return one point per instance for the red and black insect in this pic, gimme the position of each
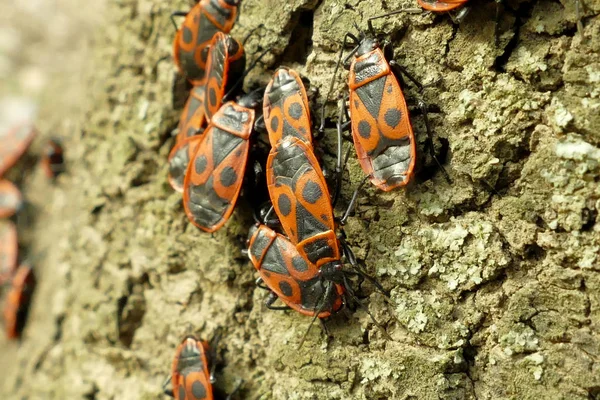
(296, 184)
(383, 136)
(225, 70)
(193, 39)
(10, 199)
(226, 62)
(191, 378)
(290, 277)
(193, 117)
(14, 144)
(9, 250)
(215, 172)
(179, 159)
(53, 162)
(16, 306)
(301, 200)
(461, 9)
(445, 6)
(192, 371)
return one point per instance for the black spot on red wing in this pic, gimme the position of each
(181, 393)
(371, 95)
(392, 117)
(187, 35)
(228, 176)
(295, 110)
(318, 250)
(324, 217)
(364, 129)
(212, 96)
(274, 124)
(312, 192)
(198, 390)
(299, 264)
(200, 164)
(223, 144)
(267, 274)
(356, 104)
(285, 205)
(390, 89)
(285, 288)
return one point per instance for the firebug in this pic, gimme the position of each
(8, 250)
(10, 199)
(16, 306)
(215, 172)
(192, 41)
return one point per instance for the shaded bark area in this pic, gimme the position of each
(495, 278)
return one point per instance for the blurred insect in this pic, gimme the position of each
(446, 6)
(10, 199)
(53, 162)
(191, 377)
(193, 117)
(379, 120)
(225, 68)
(193, 39)
(13, 144)
(192, 371)
(461, 10)
(18, 300)
(9, 249)
(215, 173)
(179, 159)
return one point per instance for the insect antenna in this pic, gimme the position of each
(356, 42)
(321, 300)
(356, 300)
(252, 31)
(404, 10)
(354, 263)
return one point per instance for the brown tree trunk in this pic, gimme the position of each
(494, 279)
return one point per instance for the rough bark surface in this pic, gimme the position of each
(495, 278)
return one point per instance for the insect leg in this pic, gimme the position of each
(254, 30)
(272, 298)
(261, 284)
(400, 70)
(405, 10)
(459, 17)
(237, 388)
(177, 14)
(424, 110)
(326, 294)
(497, 22)
(352, 205)
(339, 167)
(353, 262)
(360, 305)
(168, 392)
(579, 6)
(333, 79)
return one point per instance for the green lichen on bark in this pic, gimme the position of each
(494, 279)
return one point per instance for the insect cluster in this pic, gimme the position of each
(297, 246)
(17, 274)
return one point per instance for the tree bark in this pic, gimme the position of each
(494, 278)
